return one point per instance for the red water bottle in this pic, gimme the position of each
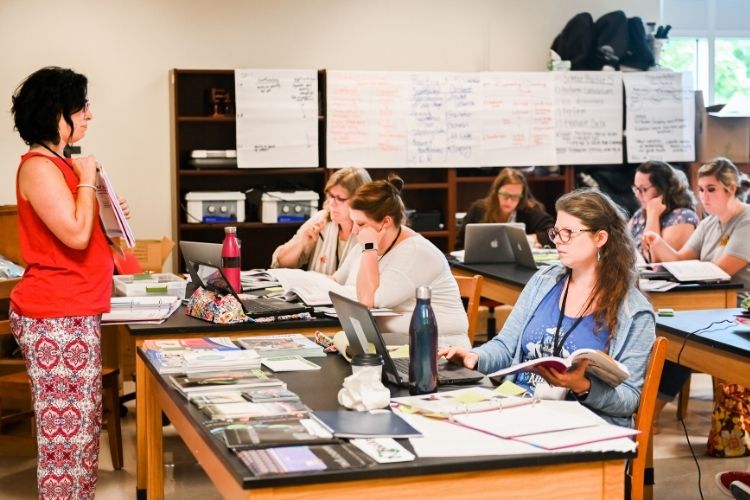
(230, 258)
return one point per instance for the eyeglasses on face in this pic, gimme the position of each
(564, 233)
(86, 107)
(508, 196)
(332, 197)
(640, 190)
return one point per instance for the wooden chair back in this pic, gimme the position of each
(471, 289)
(644, 419)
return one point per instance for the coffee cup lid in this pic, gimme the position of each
(368, 359)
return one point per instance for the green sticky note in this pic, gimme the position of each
(508, 388)
(470, 397)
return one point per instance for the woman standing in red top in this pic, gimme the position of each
(56, 308)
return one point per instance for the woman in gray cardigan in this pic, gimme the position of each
(591, 301)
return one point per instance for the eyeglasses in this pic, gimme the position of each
(640, 190)
(509, 196)
(331, 197)
(86, 107)
(565, 234)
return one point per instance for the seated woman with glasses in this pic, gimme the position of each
(322, 243)
(667, 205)
(721, 238)
(510, 200)
(392, 260)
(590, 301)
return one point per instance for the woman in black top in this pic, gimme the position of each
(510, 200)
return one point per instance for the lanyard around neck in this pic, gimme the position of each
(557, 346)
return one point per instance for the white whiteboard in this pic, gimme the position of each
(660, 116)
(277, 118)
(588, 112)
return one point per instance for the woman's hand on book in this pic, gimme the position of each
(573, 379)
(459, 355)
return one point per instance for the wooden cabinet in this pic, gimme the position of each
(441, 190)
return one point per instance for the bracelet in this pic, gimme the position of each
(86, 186)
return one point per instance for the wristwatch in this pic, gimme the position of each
(369, 246)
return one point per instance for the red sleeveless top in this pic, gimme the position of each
(60, 281)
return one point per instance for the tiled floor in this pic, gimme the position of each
(676, 472)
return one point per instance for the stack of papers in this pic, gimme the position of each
(141, 309)
(257, 279)
(168, 355)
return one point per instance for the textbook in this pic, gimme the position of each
(470, 400)
(293, 344)
(601, 365)
(273, 433)
(310, 287)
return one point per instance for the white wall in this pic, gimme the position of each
(127, 47)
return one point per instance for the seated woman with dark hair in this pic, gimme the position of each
(667, 205)
(510, 200)
(392, 260)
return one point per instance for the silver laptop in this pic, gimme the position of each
(199, 251)
(487, 243)
(362, 331)
(520, 246)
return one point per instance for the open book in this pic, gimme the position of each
(114, 221)
(310, 287)
(696, 270)
(601, 365)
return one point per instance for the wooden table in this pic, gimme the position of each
(557, 475)
(181, 326)
(503, 283)
(723, 350)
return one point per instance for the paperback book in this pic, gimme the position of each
(271, 461)
(248, 410)
(276, 433)
(214, 398)
(294, 344)
(210, 382)
(365, 424)
(168, 355)
(270, 395)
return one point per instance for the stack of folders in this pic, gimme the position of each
(293, 344)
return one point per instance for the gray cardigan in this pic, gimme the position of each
(630, 345)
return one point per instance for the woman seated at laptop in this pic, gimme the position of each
(392, 260)
(667, 205)
(510, 200)
(590, 301)
(324, 240)
(721, 238)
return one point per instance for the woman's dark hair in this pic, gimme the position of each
(507, 175)
(380, 199)
(670, 183)
(44, 97)
(615, 271)
(727, 174)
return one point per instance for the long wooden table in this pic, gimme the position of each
(722, 350)
(503, 283)
(181, 326)
(557, 475)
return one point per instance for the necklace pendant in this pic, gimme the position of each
(724, 240)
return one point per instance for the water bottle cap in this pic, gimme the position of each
(230, 229)
(424, 292)
(368, 359)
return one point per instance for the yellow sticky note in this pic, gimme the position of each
(508, 388)
(401, 351)
(469, 397)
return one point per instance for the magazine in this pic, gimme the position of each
(271, 461)
(601, 365)
(210, 382)
(168, 355)
(270, 395)
(250, 410)
(277, 432)
(293, 344)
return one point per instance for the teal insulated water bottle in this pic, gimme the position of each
(423, 345)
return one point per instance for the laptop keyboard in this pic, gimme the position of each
(270, 307)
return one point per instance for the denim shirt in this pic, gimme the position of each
(630, 345)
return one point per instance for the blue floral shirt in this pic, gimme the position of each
(676, 216)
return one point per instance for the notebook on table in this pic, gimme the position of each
(362, 331)
(488, 243)
(212, 278)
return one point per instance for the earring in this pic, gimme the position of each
(598, 256)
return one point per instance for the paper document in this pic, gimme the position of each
(310, 287)
(110, 213)
(696, 270)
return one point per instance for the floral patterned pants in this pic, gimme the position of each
(63, 359)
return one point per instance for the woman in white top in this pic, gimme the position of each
(391, 261)
(324, 240)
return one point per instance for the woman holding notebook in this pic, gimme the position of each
(721, 238)
(510, 200)
(392, 260)
(322, 243)
(590, 301)
(56, 309)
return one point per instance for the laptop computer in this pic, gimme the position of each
(519, 243)
(361, 331)
(487, 243)
(199, 251)
(212, 278)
